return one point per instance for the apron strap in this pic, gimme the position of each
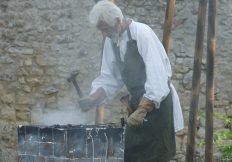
(129, 33)
(128, 22)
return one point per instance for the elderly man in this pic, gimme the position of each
(133, 56)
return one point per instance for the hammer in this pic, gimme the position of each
(99, 110)
(72, 79)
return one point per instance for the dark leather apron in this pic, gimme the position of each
(155, 140)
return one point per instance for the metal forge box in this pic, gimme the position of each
(70, 143)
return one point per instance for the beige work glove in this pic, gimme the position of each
(138, 116)
(88, 102)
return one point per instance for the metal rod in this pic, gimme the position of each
(107, 144)
(211, 50)
(196, 80)
(168, 24)
(92, 146)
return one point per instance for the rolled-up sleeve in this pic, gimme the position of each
(109, 78)
(152, 52)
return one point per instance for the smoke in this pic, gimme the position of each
(61, 111)
(62, 117)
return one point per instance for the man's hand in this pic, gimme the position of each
(136, 118)
(87, 103)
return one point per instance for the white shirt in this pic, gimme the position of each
(157, 65)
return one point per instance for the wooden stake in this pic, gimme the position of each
(211, 50)
(196, 80)
(100, 113)
(168, 24)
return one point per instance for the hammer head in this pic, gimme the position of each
(73, 76)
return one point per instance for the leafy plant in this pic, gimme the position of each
(223, 138)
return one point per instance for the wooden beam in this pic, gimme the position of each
(196, 81)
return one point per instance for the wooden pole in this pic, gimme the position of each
(168, 24)
(211, 50)
(196, 80)
(100, 113)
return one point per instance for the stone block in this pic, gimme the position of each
(50, 71)
(8, 98)
(24, 99)
(8, 155)
(3, 23)
(8, 113)
(50, 90)
(40, 60)
(36, 71)
(23, 116)
(7, 77)
(35, 80)
(22, 72)
(2, 88)
(26, 89)
(22, 80)
(6, 59)
(20, 50)
(28, 62)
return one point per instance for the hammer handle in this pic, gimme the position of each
(79, 92)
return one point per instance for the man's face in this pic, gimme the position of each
(109, 31)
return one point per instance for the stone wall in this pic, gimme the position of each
(43, 41)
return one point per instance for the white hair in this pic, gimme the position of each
(106, 11)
